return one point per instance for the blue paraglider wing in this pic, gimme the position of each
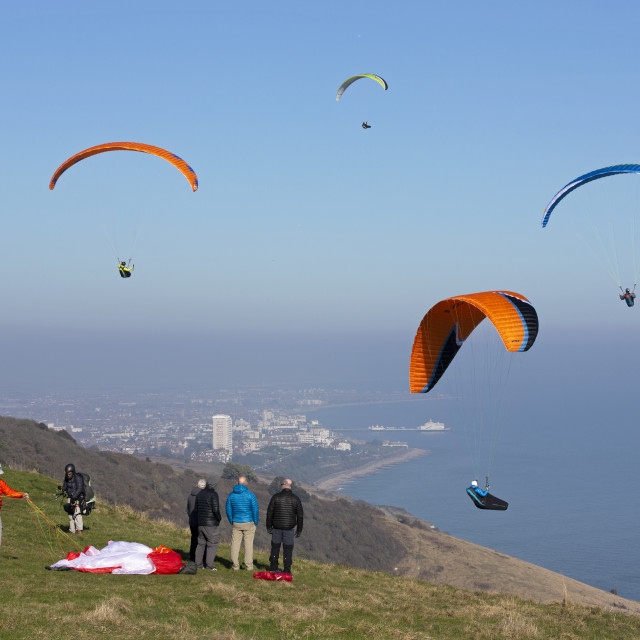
(587, 177)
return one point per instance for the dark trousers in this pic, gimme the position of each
(208, 540)
(194, 543)
(286, 537)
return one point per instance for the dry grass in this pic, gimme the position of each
(111, 610)
(515, 625)
(447, 560)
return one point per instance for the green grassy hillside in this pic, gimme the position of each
(324, 601)
(334, 531)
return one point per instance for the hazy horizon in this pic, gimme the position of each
(569, 365)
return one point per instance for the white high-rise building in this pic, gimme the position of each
(222, 433)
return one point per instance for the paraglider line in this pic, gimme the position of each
(45, 537)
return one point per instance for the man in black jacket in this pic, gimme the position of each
(208, 510)
(193, 517)
(73, 488)
(284, 517)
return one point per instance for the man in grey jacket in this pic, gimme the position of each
(284, 517)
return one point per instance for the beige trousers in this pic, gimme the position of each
(75, 521)
(242, 531)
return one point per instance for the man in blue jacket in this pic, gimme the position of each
(476, 489)
(242, 513)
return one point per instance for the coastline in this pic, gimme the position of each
(335, 481)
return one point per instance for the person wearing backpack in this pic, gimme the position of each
(73, 488)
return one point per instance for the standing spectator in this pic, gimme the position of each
(208, 510)
(12, 493)
(242, 513)
(73, 488)
(193, 517)
(284, 520)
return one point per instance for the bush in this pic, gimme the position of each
(233, 470)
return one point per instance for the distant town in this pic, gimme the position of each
(193, 425)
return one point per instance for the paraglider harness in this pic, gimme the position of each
(125, 271)
(366, 126)
(86, 501)
(629, 298)
(484, 500)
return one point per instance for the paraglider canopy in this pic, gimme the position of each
(175, 160)
(450, 322)
(608, 223)
(480, 386)
(581, 180)
(122, 558)
(349, 81)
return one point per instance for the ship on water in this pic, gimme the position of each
(432, 426)
(427, 426)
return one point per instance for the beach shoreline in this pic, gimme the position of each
(335, 481)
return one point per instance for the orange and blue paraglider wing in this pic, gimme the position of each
(450, 322)
(175, 160)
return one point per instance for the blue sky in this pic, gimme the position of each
(309, 240)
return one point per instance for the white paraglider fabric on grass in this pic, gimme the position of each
(116, 557)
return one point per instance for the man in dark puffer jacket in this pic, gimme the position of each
(208, 510)
(73, 488)
(193, 517)
(284, 516)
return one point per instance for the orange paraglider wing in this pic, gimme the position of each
(450, 322)
(175, 160)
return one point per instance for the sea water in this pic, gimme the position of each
(567, 469)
